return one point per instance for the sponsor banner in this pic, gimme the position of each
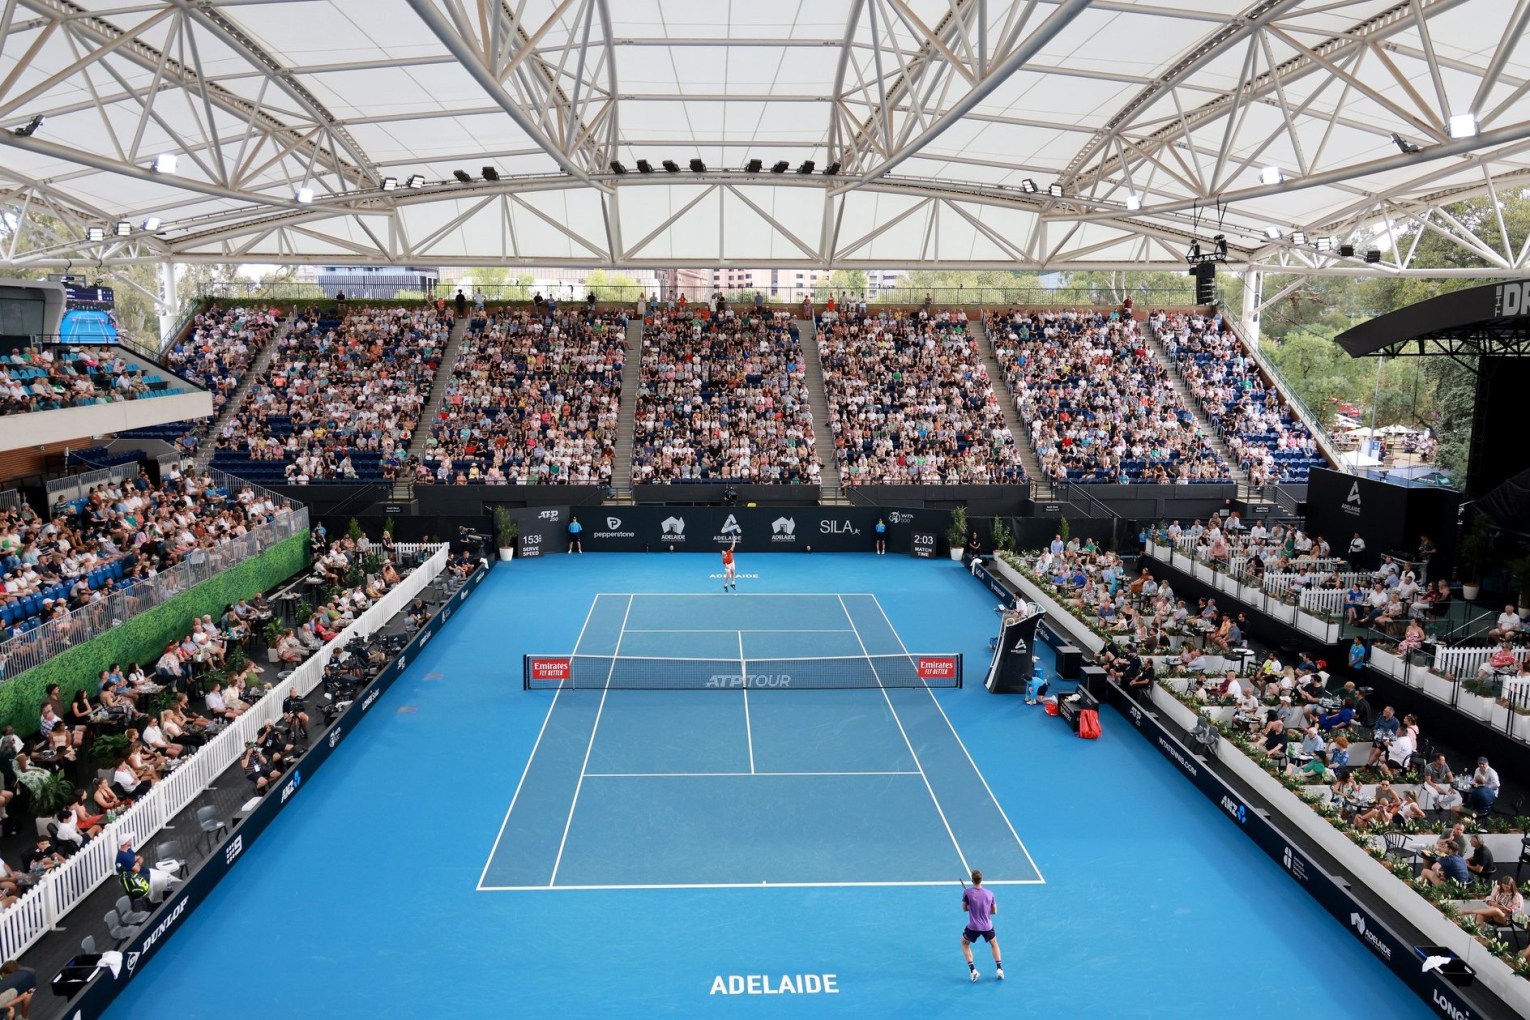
(752, 529)
(992, 582)
(936, 667)
(1389, 947)
(167, 919)
(551, 669)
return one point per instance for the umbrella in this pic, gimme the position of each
(1395, 430)
(1363, 431)
(1356, 458)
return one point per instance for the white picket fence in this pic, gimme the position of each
(1462, 662)
(1279, 584)
(60, 890)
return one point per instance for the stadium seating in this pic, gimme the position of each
(1271, 443)
(339, 401)
(1099, 406)
(53, 377)
(723, 399)
(911, 403)
(533, 399)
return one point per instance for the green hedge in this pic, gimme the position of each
(142, 638)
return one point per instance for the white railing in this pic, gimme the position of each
(1280, 584)
(80, 625)
(75, 486)
(61, 890)
(1328, 601)
(1462, 662)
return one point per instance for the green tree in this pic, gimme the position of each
(615, 288)
(981, 287)
(849, 281)
(1112, 287)
(1318, 370)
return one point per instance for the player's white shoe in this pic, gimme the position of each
(999, 974)
(974, 974)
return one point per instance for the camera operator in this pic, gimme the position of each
(292, 712)
(419, 612)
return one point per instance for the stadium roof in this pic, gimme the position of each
(296, 126)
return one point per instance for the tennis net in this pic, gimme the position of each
(624, 672)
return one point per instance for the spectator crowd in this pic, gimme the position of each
(49, 378)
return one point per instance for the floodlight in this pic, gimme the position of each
(490, 174)
(832, 169)
(1194, 254)
(30, 128)
(389, 184)
(698, 167)
(1134, 201)
(95, 233)
(1404, 146)
(1347, 250)
(1271, 175)
(1373, 256)
(1055, 189)
(304, 196)
(618, 167)
(151, 224)
(1028, 186)
(644, 167)
(1298, 237)
(806, 167)
(164, 163)
(1323, 244)
(462, 175)
(1463, 125)
(415, 181)
(754, 166)
(124, 228)
(781, 167)
(1273, 233)
(671, 167)
(1221, 243)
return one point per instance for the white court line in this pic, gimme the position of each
(558, 861)
(909, 744)
(532, 757)
(743, 674)
(745, 595)
(704, 775)
(1039, 878)
(735, 630)
(749, 885)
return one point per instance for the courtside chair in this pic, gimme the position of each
(211, 824)
(128, 914)
(169, 852)
(88, 945)
(120, 932)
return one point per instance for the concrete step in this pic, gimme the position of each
(438, 387)
(626, 418)
(1007, 405)
(818, 398)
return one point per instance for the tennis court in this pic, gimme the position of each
(364, 898)
(630, 789)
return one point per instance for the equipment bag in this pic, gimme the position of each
(1089, 724)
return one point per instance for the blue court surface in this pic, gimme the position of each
(477, 849)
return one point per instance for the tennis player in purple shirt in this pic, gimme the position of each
(980, 907)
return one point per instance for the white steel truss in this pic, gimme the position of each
(1017, 134)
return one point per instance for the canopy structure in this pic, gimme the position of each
(1493, 319)
(1030, 134)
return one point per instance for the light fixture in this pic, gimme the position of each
(95, 233)
(151, 224)
(1134, 201)
(698, 167)
(30, 128)
(754, 166)
(1372, 257)
(780, 167)
(1463, 125)
(1194, 254)
(389, 184)
(490, 174)
(1055, 189)
(671, 167)
(1298, 237)
(806, 167)
(832, 169)
(1404, 146)
(1028, 186)
(415, 181)
(124, 228)
(164, 163)
(1271, 175)
(1347, 251)
(644, 167)
(463, 176)
(303, 196)
(1323, 244)
(1273, 233)
(618, 167)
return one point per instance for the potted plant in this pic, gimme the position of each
(1476, 556)
(505, 533)
(1003, 537)
(108, 749)
(272, 633)
(956, 534)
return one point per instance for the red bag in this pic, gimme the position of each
(1050, 705)
(1089, 724)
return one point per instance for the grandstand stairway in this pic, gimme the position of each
(403, 487)
(818, 396)
(257, 369)
(1161, 353)
(626, 419)
(1007, 405)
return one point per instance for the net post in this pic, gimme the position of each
(958, 670)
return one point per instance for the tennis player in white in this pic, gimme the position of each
(729, 575)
